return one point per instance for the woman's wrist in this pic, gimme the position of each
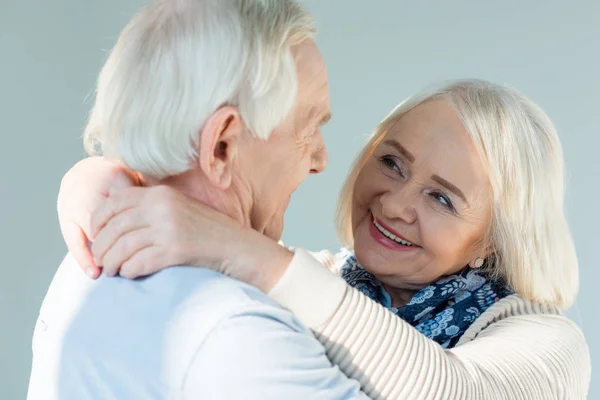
(257, 260)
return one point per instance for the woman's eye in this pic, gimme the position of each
(392, 164)
(443, 200)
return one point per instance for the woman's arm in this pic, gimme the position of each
(139, 231)
(100, 201)
(530, 356)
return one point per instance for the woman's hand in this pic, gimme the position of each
(139, 231)
(83, 188)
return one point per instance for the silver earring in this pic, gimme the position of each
(478, 263)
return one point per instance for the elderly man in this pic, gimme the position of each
(222, 100)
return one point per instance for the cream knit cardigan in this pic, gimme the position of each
(514, 350)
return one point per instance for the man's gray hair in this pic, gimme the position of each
(178, 61)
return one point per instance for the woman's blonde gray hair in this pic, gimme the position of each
(532, 246)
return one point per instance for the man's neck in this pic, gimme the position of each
(195, 185)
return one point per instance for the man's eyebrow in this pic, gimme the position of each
(326, 118)
(314, 112)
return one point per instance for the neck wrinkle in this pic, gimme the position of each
(195, 185)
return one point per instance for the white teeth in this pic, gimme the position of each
(390, 235)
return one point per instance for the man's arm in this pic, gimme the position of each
(265, 355)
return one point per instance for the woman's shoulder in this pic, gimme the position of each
(520, 334)
(519, 311)
(325, 257)
(328, 259)
(530, 326)
(510, 306)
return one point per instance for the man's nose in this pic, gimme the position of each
(319, 157)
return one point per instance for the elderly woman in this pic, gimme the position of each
(458, 256)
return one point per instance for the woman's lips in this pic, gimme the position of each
(386, 241)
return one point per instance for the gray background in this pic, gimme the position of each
(378, 53)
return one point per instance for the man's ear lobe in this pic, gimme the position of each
(219, 145)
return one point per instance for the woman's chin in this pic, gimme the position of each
(368, 256)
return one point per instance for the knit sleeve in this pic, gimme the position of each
(534, 356)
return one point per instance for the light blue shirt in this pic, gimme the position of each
(183, 333)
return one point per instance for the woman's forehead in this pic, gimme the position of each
(432, 137)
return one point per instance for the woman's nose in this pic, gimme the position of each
(399, 203)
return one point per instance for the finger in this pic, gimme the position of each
(145, 262)
(125, 248)
(115, 204)
(77, 243)
(121, 224)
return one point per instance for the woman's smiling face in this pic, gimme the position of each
(422, 201)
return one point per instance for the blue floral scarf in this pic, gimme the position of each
(442, 311)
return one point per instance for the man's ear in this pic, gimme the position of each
(219, 145)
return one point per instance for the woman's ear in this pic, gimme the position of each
(482, 252)
(219, 142)
(488, 251)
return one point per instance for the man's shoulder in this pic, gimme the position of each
(178, 304)
(178, 289)
(190, 299)
(148, 329)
